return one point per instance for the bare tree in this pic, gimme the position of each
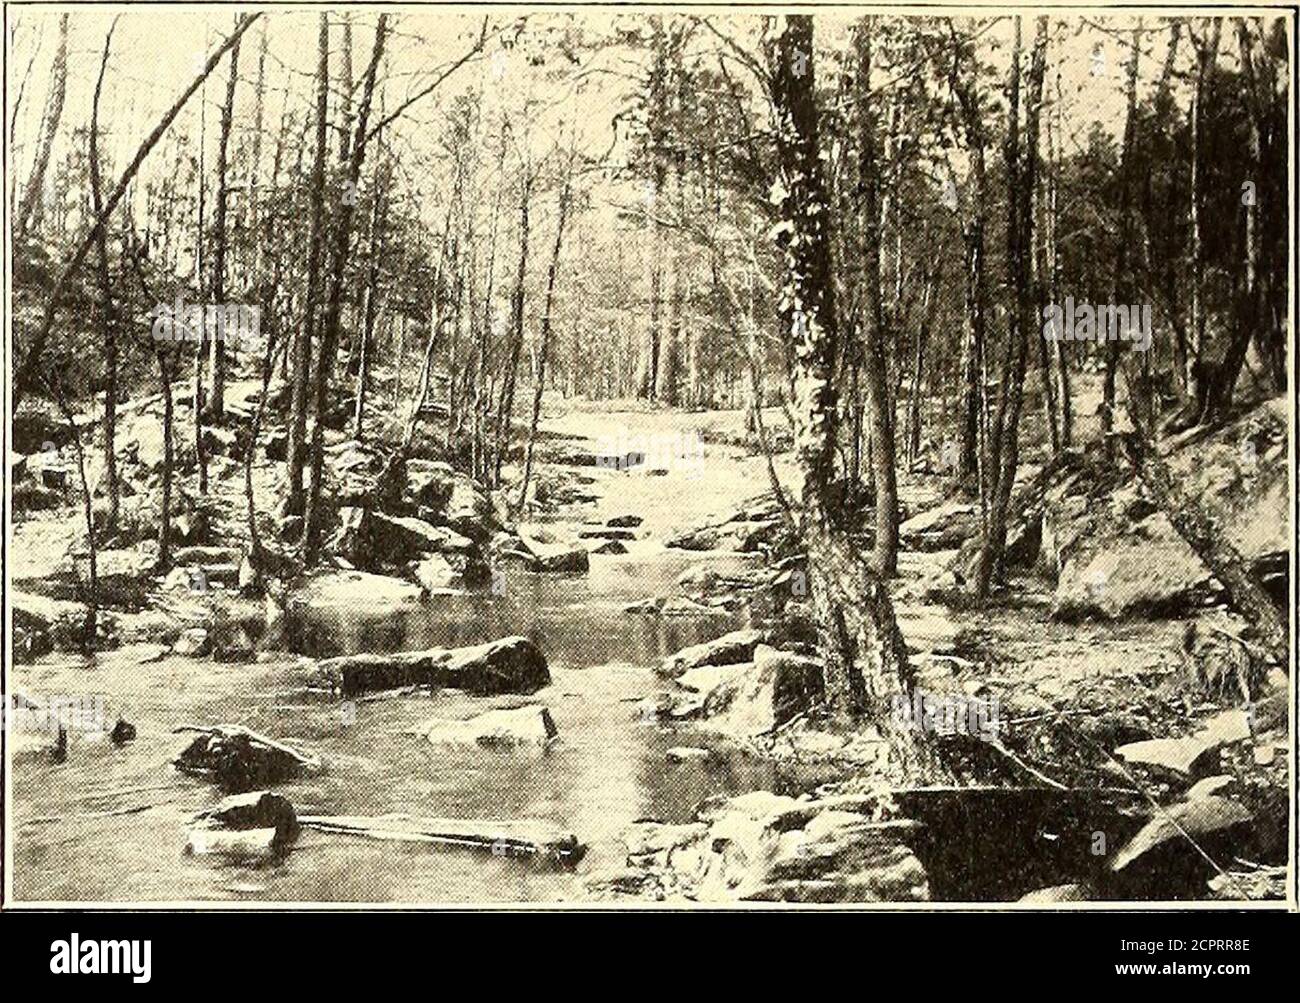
(27, 210)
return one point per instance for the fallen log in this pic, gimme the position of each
(519, 837)
(509, 665)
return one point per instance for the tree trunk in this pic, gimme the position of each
(929, 303)
(1123, 278)
(875, 369)
(1246, 305)
(539, 369)
(198, 409)
(505, 408)
(28, 209)
(970, 456)
(329, 343)
(169, 463)
(866, 661)
(217, 399)
(294, 501)
(1022, 178)
(109, 319)
(378, 222)
(1206, 56)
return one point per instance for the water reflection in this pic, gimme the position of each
(607, 769)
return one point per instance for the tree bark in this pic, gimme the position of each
(505, 408)
(294, 502)
(1022, 178)
(539, 370)
(217, 398)
(865, 658)
(875, 345)
(329, 343)
(28, 209)
(1123, 278)
(109, 319)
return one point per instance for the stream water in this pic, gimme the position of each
(608, 767)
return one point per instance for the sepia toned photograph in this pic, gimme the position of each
(647, 457)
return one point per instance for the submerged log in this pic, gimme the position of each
(518, 837)
(509, 665)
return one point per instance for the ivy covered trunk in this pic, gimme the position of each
(866, 664)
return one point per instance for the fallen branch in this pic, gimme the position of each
(524, 837)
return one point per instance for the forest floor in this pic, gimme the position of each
(1087, 698)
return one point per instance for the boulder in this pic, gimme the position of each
(468, 510)
(509, 665)
(1198, 819)
(240, 760)
(429, 484)
(276, 445)
(1058, 893)
(32, 637)
(193, 642)
(254, 810)
(372, 540)
(606, 534)
(1113, 555)
(1186, 757)
(610, 548)
(624, 521)
(944, 527)
(227, 442)
(743, 536)
(763, 696)
(513, 728)
(737, 646)
(767, 847)
(561, 559)
(541, 553)
(29, 496)
(436, 574)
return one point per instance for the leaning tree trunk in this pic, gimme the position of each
(1211, 545)
(26, 370)
(1246, 301)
